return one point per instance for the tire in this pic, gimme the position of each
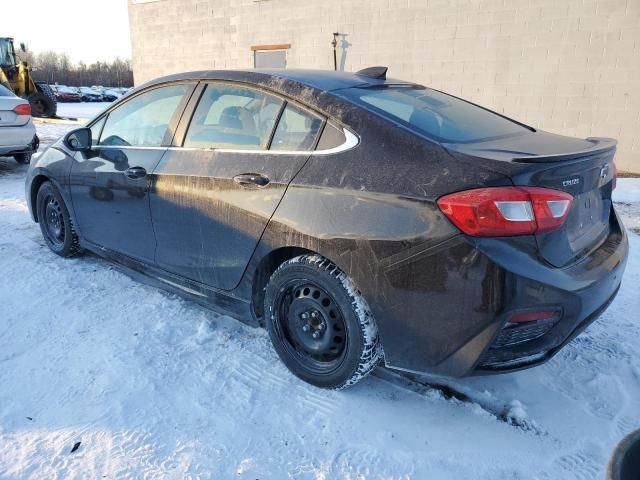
(23, 158)
(55, 222)
(35, 144)
(43, 102)
(46, 89)
(319, 324)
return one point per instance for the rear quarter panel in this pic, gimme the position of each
(372, 211)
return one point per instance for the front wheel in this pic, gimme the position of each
(55, 222)
(42, 105)
(319, 324)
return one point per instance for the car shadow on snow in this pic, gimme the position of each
(9, 165)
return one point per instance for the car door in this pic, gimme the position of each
(110, 183)
(213, 195)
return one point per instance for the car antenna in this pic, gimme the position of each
(374, 72)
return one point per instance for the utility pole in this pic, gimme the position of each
(335, 54)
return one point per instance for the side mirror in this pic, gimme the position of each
(78, 140)
(23, 47)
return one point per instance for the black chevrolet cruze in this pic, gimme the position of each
(359, 219)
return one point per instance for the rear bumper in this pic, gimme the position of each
(16, 139)
(485, 280)
(534, 352)
(583, 291)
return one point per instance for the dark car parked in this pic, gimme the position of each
(359, 219)
(64, 94)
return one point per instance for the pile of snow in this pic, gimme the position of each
(627, 190)
(83, 110)
(153, 386)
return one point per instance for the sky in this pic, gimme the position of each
(87, 30)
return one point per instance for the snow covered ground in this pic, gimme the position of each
(153, 386)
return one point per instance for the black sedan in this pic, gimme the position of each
(359, 219)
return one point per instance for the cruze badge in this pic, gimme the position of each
(568, 183)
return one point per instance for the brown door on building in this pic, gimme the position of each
(270, 56)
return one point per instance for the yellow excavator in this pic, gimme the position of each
(16, 76)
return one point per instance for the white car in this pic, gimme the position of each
(18, 137)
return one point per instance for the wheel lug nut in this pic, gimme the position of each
(314, 314)
(322, 326)
(305, 328)
(305, 315)
(316, 334)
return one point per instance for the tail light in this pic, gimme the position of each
(22, 109)
(506, 211)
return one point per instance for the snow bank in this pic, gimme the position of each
(82, 110)
(627, 191)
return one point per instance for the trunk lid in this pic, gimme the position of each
(8, 117)
(583, 168)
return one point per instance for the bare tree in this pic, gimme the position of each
(53, 67)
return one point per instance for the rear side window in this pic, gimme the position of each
(332, 137)
(5, 92)
(229, 116)
(297, 130)
(434, 114)
(143, 120)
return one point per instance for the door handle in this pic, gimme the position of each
(251, 180)
(135, 172)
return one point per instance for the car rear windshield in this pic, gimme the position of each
(434, 114)
(5, 92)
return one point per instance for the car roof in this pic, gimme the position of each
(326, 80)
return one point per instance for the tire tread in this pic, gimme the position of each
(372, 352)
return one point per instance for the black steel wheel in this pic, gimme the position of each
(55, 222)
(319, 323)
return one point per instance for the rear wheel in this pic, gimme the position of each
(319, 324)
(23, 158)
(55, 222)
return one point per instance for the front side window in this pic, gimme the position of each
(96, 128)
(144, 120)
(230, 116)
(435, 114)
(297, 130)
(7, 55)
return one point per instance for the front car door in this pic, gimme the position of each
(213, 194)
(110, 183)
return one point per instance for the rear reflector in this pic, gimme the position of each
(533, 316)
(525, 326)
(23, 109)
(506, 211)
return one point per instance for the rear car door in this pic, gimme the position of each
(110, 183)
(215, 191)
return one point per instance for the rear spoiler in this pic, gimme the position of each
(599, 146)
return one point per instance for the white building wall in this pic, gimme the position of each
(567, 66)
